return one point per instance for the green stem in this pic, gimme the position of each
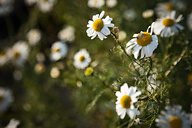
(124, 51)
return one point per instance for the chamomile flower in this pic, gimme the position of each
(33, 36)
(144, 42)
(82, 59)
(168, 26)
(67, 34)
(126, 97)
(173, 117)
(99, 26)
(5, 99)
(58, 50)
(162, 9)
(46, 5)
(95, 3)
(19, 52)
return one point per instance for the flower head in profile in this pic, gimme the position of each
(58, 50)
(168, 26)
(99, 26)
(33, 36)
(144, 42)
(19, 52)
(173, 117)
(82, 59)
(5, 99)
(126, 97)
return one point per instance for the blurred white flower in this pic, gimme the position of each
(34, 36)
(39, 68)
(147, 13)
(40, 57)
(129, 14)
(19, 52)
(189, 21)
(111, 3)
(13, 123)
(46, 5)
(6, 6)
(55, 72)
(5, 99)
(168, 26)
(173, 117)
(17, 74)
(58, 50)
(95, 3)
(99, 26)
(126, 97)
(163, 9)
(122, 35)
(144, 42)
(82, 59)
(30, 2)
(67, 34)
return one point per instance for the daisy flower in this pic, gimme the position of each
(5, 99)
(173, 117)
(125, 99)
(162, 9)
(46, 5)
(58, 50)
(82, 59)
(99, 26)
(13, 123)
(168, 26)
(19, 52)
(34, 36)
(67, 34)
(95, 3)
(144, 42)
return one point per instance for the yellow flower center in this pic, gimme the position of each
(98, 25)
(88, 71)
(16, 54)
(125, 101)
(81, 58)
(56, 50)
(168, 22)
(144, 38)
(175, 122)
(2, 53)
(169, 6)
